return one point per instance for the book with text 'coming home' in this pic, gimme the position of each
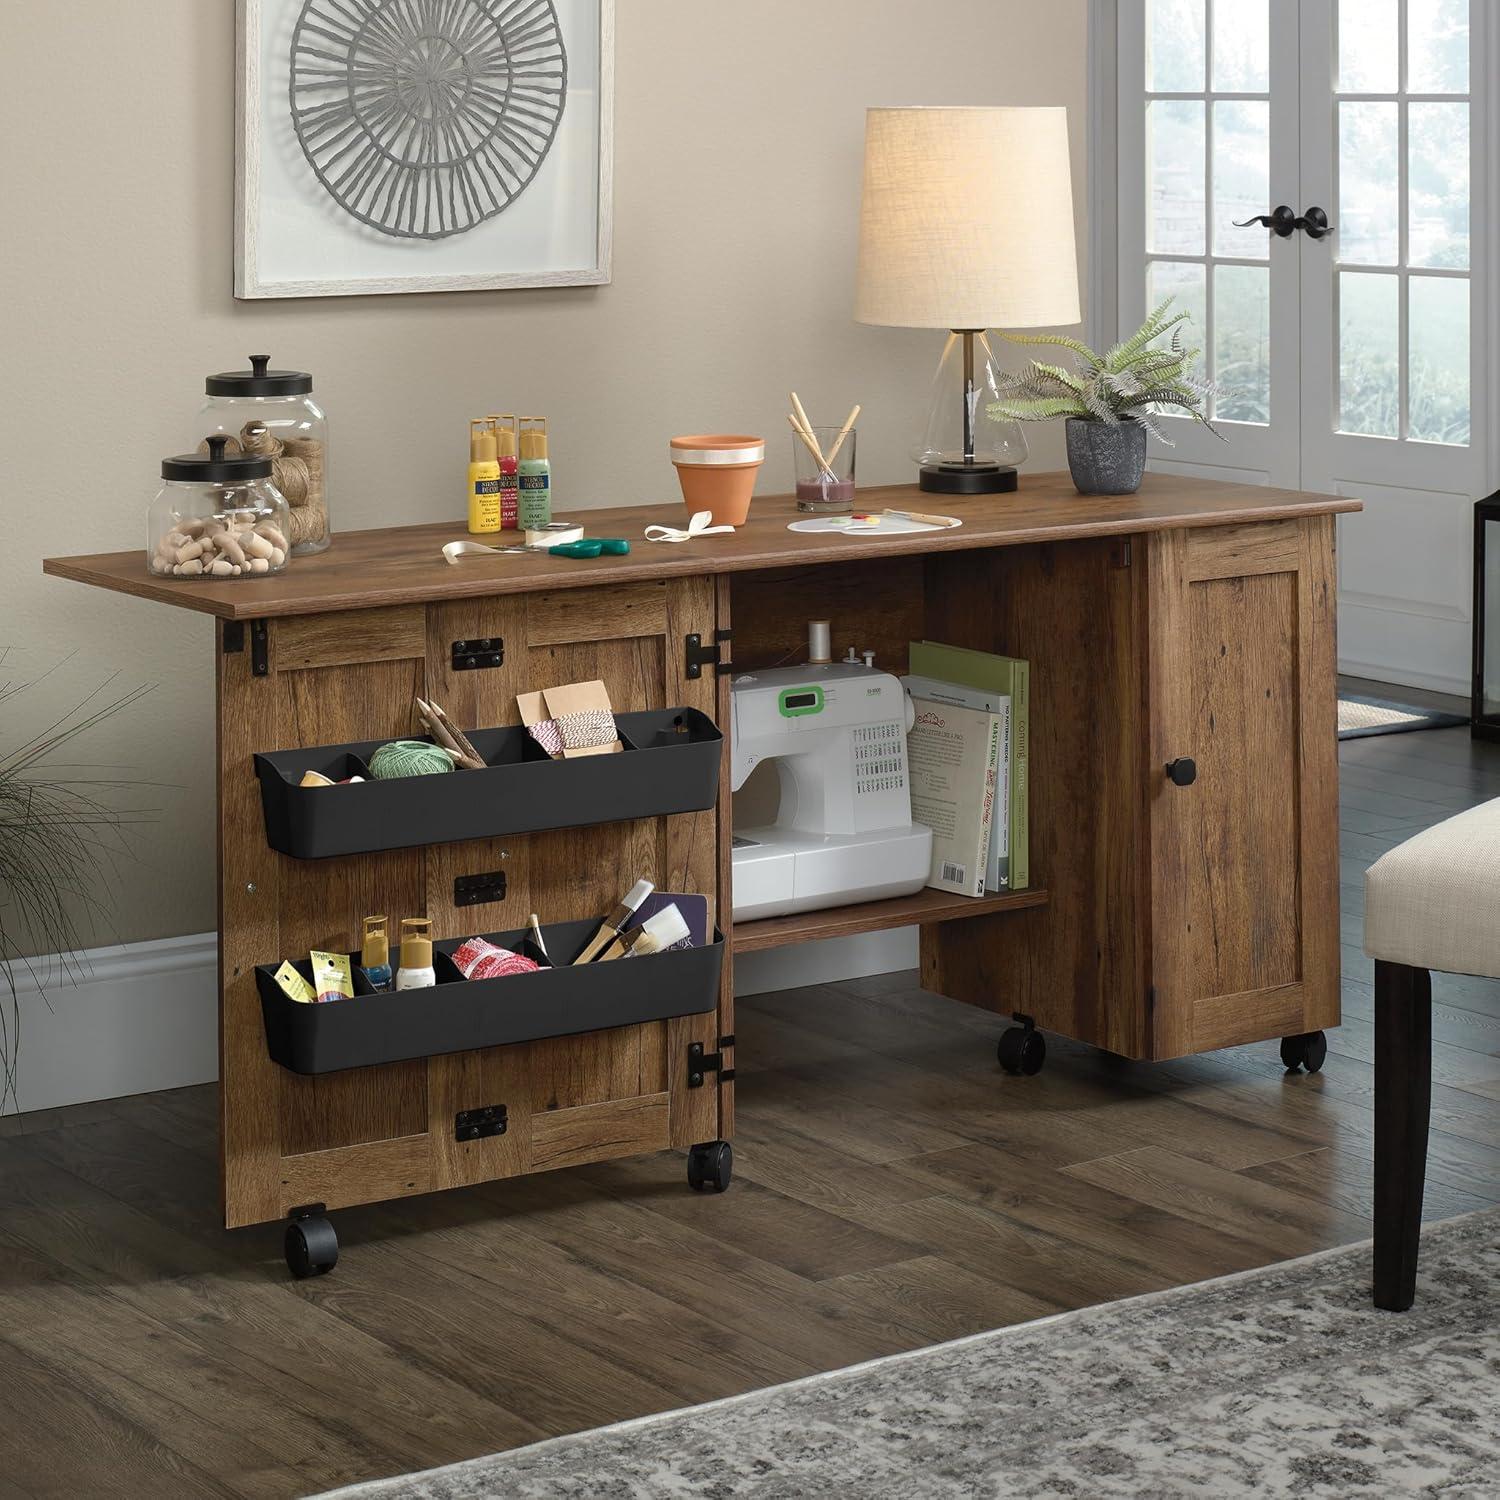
(953, 759)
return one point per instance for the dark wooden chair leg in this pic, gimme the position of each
(1403, 1101)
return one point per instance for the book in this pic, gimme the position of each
(1006, 676)
(997, 876)
(953, 757)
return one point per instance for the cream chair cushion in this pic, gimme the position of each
(1434, 901)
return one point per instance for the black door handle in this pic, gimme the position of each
(1182, 771)
(1283, 221)
(1315, 222)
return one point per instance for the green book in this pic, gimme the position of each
(1008, 677)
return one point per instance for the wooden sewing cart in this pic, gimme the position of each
(1183, 794)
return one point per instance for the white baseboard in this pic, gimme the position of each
(144, 1016)
(140, 1017)
(1398, 676)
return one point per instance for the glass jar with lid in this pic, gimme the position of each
(271, 414)
(217, 515)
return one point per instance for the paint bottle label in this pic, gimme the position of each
(510, 495)
(484, 500)
(536, 500)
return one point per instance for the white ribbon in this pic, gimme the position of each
(455, 550)
(697, 526)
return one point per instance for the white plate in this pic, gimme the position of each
(885, 526)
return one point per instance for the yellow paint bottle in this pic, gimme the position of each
(484, 477)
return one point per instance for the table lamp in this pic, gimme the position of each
(967, 224)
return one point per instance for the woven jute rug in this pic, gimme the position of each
(1283, 1381)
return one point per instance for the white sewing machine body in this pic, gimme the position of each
(844, 832)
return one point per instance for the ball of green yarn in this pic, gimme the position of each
(408, 758)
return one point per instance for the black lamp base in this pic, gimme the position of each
(969, 479)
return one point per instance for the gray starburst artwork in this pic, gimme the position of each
(424, 118)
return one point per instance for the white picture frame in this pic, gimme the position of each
(293, 237)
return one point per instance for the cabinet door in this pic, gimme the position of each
(1245, 919)
(367, 1134)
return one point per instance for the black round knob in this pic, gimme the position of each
(1182, 772)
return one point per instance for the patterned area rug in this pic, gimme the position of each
(1284, 1381)
(1360, 717)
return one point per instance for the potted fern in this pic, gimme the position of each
(1110, 400)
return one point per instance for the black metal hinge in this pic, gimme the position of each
(476, 655)
(699, 656)
(701, 1062)
(479, 890)
(476, 1124)
(234, 640)
(1119, 554)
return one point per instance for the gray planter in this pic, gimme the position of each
(1106, 458)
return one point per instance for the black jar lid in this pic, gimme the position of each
(215, 467)
(259, 381)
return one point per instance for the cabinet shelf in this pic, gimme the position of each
(876, 916)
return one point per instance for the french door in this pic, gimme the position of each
(1310, 179)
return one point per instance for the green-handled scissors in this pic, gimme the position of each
(592, 546)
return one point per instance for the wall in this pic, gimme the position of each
(738, 140)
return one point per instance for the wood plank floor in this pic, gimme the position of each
(892, 1189)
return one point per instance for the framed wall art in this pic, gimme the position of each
(422, 145)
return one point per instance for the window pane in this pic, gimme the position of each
(1242, 176)
(1174, 46)
(1369, 354)
(1185, 283)
(1438, 185)
(1369, 46)
(1242, 46)
(1242, 342)
(1437, 48)
(1174, 176)
(1438, 364)
(1369, 210)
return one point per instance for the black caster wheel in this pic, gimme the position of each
(311, 1246)
(710, 1166)
(1309, 1050)
(1023, 1050)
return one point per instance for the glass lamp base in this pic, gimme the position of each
(968, 479)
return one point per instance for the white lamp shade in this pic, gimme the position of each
(967, 219)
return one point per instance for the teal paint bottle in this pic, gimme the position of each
(535, 475)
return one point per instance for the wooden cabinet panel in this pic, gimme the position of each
(1078, 614)
(1244, 928)
(384, 1132)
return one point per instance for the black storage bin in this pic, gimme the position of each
(670, 764)
(458, 1014)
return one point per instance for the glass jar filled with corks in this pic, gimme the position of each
(266, 413)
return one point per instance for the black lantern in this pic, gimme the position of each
(1485, 724)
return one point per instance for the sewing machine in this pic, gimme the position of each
(837, 733)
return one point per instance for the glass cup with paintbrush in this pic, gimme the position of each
(824, 460)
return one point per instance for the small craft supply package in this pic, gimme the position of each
(478, 958)
(293, 985)
(585, 719)
(333, 978)
(540, 725)
(572, 720)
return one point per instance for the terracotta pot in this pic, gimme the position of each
(717, 471)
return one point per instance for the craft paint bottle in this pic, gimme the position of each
(416, 971)
(375, 955)
(484, 477)
(510, 478)
(536, 476)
